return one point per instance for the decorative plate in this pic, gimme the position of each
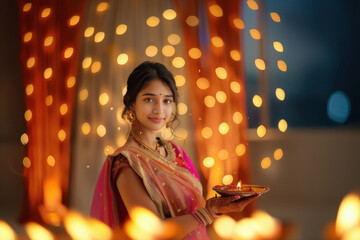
(246, 190)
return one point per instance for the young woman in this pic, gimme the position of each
(153, 173)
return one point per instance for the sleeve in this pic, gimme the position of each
(119, 162)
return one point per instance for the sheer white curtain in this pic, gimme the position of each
(98, 127)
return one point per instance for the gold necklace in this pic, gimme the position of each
(144, 145)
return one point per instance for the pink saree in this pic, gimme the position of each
(172, 183)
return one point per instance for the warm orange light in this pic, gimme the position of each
(224, 226)
(348, 216)
(70, 82)
(195, 53)
(209, 162)
(101, 7)
(206, 132)
(30, 62)
(227, 179)
(235, 87)
(223, 154)
(48, 41)
(104, 99)
(275, 17)
(99, 230)
(76, 225)
(265, 162)
(237, 117)
(239, 185)
(174, 39)
(217, 41)
(63, 109)
(260, 64)
(282, 65)
(35, 232)
(203, 83)
(28, 115)
(83, 94)
(27, 37)
(257, 101)
(121, 29)
(6, 231)
(169, 14)
(255, 34)
(168, 50)
(48, 100)
(122, 59)
(209, 101)
(89, 31)
(235, 55)
(178, 62)
(238, 23)
(280, 94)
(240, 149)
(278, 154)
(108, 150)
(95, 67)
(101, 130)
(179, 80)
(224, 128)
(24, 139)
(153, 21)
(86, 63)
(151, 51)
(29, 89)
(46, 12)
(216, 10)
(50, 161)
(182, 108)
(27, 7)
(62, 135)
(181, 133)
(221, 96)
(26, 162)
(99, 36)
(68, 52)
(192, 21)
(282, 125)
(261, 131)
(278, 46)
(85, 128)
(252, 5)
(268, 227)
(221, 72)
(48, 73)
(74, 20)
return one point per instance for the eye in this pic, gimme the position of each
(168, 101)
(148, 100)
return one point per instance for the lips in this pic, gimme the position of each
(157, 120)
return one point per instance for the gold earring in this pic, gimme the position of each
(169, 121)
(130, 116)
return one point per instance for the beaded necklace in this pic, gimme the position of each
(144, 145)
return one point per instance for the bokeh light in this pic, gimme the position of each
(178, 62)
(206, 132)
(227, 179)
(280, 94)
(265, 162)
(192, 21)
(101, 130)
(216, 10)
(182, 108)
(257, 101)
(62, 135)
(282, 125)
(275, 17)
(122, 59)
(224, 128)
(338, 107)
(217, 41)
(174, 39)
(209, 101)
(235, 87)
(255, 34)
(27, 37)
(252, 5)
(169, 14)
(203, 83)
(278, 154)
(85, 128)
(238, 23)
(237, 117)
(221, 72)
(260, 64)
(101, 7)
(179, 80)
(282, 65)
(240, 149)
(153, 21)
(223, 154)
(235, 55)
(168, 50)
(151, 51)
(209, 162)
(195, 53)
(261, 131)
(121, 29)
(278, 46)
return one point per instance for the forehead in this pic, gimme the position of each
(157, 87)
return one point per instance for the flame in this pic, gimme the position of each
(76, 225)
(349, 214)
(239, 185)
(37, 232)
(6, 231)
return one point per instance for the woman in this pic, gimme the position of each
(153, 173)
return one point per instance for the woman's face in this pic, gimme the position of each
(153, 105)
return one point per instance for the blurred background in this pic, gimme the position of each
(320, 160)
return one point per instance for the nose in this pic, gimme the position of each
(158, 107)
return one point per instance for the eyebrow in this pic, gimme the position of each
(151, 94)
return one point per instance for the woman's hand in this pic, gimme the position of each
(220, 205)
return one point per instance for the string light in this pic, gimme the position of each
(178, 62)
(206, 132)
(275, 17)
(151, 51)
(121, 29)
(227, 179)
(168, 51)
(282, 65)
(179, 80)
(238, 23)
(216, 10)
(260, 64)
(237, 117)
(153, 21)
(192, 21)
(221, 72)
(203, 83)
(209, 162)
(261, 131)
(169, 14)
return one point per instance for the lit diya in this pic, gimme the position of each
(242, 190)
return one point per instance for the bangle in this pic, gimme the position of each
(204, 215)
(197, 218)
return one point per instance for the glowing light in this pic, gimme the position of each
(278, 154)
(169, 14)
(261, 131)
(265, 162)
(240, 149)
(62, 135)
(63, 109)
(27, 37)
(216, 10)
(27, 7)
(85, 128)
(101, 7)
(168, 51)
(206, 132)
(257, 101)
(70, 82)
(24, 139)
(99, 36)
(29, 89)
(267, 226)
(179, 80)
(86, 62)
(278, 46)
(195, 53)
(238, 23)
(99, 230)
(235, 55)
(30, 62)
(221, 72)
(26, 162)
(282, 65)
(35, 231)
(181, 133)
(260, 64)
(124, 91)
(83, 94)
(182, 108)
(121, 29)
(46, 12)
(178, 62)
(153, 21)
(122, 59)
(174, 39)
(225, 225)
(235, 87)
(167, 134)
(217, 41)
(89, 31)
(95, 67)
(101, 130)
(74, 20)
(227, 179)
(50, 161)
(77, 226)
(338, 107)
(104, 99)
(252, 5)
(209, 101)
(48, 73)
(221, 96)
(280, 94)
(223, 154)
(28, 115)
(224, 128)
(255, 34)
(151, 51)
(237, 117)
(203, 83)
(275, 17)
(209, 162)
(108, 150)
(48, 100)
(348, 216)
(48, 41)
(68, 52)
(192, 21)
(282, 125)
